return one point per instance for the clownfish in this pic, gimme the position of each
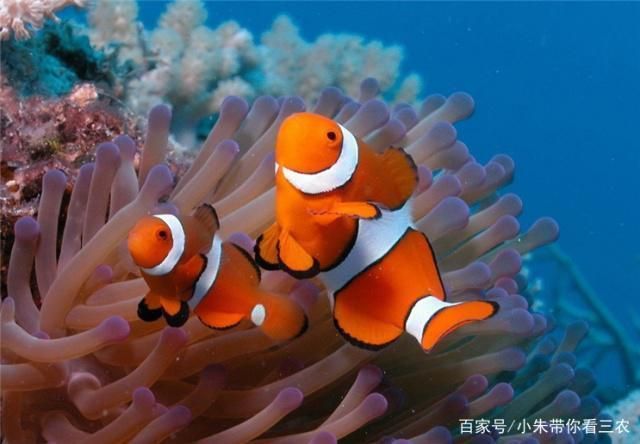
(343, 213)
(189, 268)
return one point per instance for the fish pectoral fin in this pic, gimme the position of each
(208, 217)
(186, 274)
(149, 308)
(402, 172)
(266, 248)
(454, 316)
(294, 258)
(360, 210)
(176, 312)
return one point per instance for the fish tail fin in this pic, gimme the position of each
(431, 319)
(266, 248)
(279, 317)
(150, 308)
(403, 171)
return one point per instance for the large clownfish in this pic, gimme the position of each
(343, 212)
(189, 268)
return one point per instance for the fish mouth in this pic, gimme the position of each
(137, 246)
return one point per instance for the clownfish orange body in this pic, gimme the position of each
(188, 268)
(343, 213)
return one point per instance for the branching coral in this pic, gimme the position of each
(193, 67)
(19, 15)
(83, 368)
(567, 295)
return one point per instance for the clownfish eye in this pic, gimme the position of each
(162, 235)
(331, 135)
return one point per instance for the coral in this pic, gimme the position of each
(343, 60)
(54, 61)
(18, 15)
(82, 367)
(627, 409)
(41, 134)
(569, 296)
(181, 62)
(193, 67)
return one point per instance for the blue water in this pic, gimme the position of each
(556, 87)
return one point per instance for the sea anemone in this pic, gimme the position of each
(82, 367)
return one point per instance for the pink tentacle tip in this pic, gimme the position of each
(514, 358)
(229, 146)
(506, 263)
(502, 393)
(375, 108)
(159, 117)
(143, 398)
(126, 145)
(520, 321)
(8, 310)
(174, 338)
(26, 229)
(369, 87)
(292, 105)
(462, 101)
(243, 241)
(54, 179)
(159, 180)
(425, 179)
(474, 386)
(234, 107)
(108, 153)
(508, 284)
(375, 405)
(497, 294)
(115, 328)
(540, 324)
(324, 438)
(289, 398)
(567, 400)
(443, 133)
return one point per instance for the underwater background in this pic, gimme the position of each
(555, 87)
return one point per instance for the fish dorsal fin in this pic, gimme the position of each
(207, 216)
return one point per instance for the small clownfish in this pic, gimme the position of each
(343, 213)
(189, 268)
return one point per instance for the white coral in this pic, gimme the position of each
(19, 15)
(114, 22)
